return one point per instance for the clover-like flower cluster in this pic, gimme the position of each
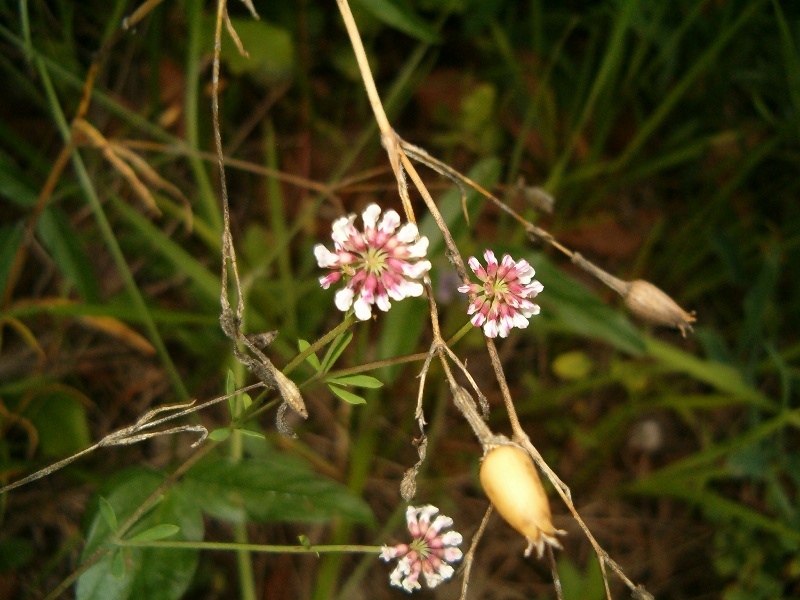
(429, 553)
(376, 265)
(502, 301)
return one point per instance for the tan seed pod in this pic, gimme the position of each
(648, 302)
(512, 483)
(290, 393)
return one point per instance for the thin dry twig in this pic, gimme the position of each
(231, 320)
(469, 557)
(133, 433)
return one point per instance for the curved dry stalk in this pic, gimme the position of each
(231, 320)
(133, 433)
(469, 557)
(554, 572)
(566, 496)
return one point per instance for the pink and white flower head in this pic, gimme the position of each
(428, 554)
(376, 265)
(502, 301)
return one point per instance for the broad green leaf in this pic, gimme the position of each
(270, 49)
(60, 419)
(277, 487)
(64, 246)
(587, 586)
(311, 358)
(220, 435)
(157, 532)
(364, 381)
(400, 15)
(348, 397)
(155, 574)
(108, 514)
(118, 563)
(335, 350)
(723, 377)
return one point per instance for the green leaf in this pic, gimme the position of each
(311, 358)
(220, 435)
(723, 377)
(348, 397)
(230, 383)
(65, 248)
(230, 388)
(60, 419)
(155, 574)
(118, 563)
(335, 350)
(14, 185)
(270, 49)
(108, 514)
(276, 487)
(157, 532)
(364, 381)
(587, 586)
(252, 434)
(400, 15)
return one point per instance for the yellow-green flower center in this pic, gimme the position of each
(374, 260)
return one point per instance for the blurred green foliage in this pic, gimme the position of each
(675, 122)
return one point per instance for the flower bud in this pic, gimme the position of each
(512, 483)
(648, 302)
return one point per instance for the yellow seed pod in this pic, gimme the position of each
(512, 483)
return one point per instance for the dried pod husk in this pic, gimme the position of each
(290, 393)
(512, 483)
(648, 302)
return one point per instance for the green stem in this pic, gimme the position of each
(244, 561)
(362, 453)
(320, 343)
(208, 199)
(278, 227)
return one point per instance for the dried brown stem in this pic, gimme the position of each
(469, 557)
